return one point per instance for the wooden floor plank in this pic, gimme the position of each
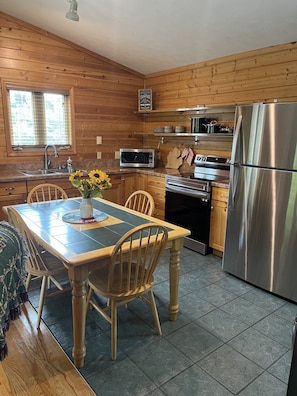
(36, 364)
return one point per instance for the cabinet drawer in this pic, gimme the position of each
(157, 193)
(159, 214)
(218, 204)
(156, 182)
(12, 188)
(220, 194)
(64, 183)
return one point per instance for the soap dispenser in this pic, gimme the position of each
(69, 165)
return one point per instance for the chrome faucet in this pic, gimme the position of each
(47, 161)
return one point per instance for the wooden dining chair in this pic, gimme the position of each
(128, 275)
(46, 192)
(40, 264)
(141, 201)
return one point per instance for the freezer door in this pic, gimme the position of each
(261, 234)
(267, 136)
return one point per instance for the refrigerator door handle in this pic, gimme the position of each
(234, 173)
(234, 178)
(235, 139)
(231, 188)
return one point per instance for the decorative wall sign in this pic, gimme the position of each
(145, 99)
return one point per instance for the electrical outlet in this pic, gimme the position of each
(98, 139)
(116, 155)
(98, 154)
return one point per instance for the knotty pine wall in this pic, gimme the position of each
(106, 93)
(255, 76)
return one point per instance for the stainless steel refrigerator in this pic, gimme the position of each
(261, 232)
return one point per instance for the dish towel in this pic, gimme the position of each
(188, 155)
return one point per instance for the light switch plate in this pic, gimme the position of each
(98, 154)
(98, 139)
(116, 155)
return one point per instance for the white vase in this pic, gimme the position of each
(86, 208)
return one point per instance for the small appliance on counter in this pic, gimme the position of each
(138, 158)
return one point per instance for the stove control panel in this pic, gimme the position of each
(211, 161)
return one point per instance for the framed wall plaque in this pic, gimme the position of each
(145, 99)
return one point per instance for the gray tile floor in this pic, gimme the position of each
(230, 338)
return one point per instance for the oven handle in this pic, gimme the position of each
(188, 191)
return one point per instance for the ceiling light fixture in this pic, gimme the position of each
(72, 13)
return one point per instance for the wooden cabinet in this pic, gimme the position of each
(141, 181)
(12, 193)
(218, 218)
(61, 182)
(156, 187)
(114, 194)
(128, 185)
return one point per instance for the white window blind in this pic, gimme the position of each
(38, 118)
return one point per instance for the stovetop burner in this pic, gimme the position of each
(204, 176)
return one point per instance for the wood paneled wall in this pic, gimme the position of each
(105, 93)
(255, 76)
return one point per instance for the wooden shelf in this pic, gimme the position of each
(196, 110)
(191, 135)
(188, 136)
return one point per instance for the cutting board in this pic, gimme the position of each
(174, 159)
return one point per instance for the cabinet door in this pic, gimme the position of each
(128, 185)
(6, 200)
(61, 182)
(141, 181)
(156, 187)
(218, 218)
(113, 194)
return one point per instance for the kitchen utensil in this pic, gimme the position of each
(213, 127)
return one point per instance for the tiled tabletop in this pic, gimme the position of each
(76, 243)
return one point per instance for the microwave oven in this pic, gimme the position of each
(138, 158)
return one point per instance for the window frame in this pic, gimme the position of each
(46, 88)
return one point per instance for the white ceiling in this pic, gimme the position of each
(154, 35)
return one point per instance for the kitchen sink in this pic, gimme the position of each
(34, 172)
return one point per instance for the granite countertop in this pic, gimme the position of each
(17, 175)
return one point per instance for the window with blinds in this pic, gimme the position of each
(38, 117)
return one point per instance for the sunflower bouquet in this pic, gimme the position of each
(92, 186)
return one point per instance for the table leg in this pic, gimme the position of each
(174, 269)
(78, 276)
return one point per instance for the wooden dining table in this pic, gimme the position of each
(85, 245)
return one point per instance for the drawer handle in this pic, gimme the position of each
(224, 196)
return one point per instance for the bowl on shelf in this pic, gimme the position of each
(168, 129)
(180, 129)
(159, 130)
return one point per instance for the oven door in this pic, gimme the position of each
(191, 212)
